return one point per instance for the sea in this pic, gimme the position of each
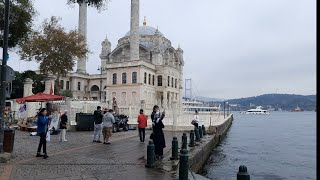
(278, 146)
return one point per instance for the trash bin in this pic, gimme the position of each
(85, 121)
(8, 140)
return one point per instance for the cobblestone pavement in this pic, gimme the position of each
(79, 158)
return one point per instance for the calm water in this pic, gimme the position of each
(281, 145)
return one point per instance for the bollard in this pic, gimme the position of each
(243, 174)
(200, 132)
(150, 155)
(183, 165)
(204, 130)
(191, 143)
(174, 149)
(196, 132)
(184, 141)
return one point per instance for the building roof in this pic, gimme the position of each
(146, 31)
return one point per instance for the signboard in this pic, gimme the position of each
(55, 121)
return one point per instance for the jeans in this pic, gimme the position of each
(142, 134)
(63, 135)
(42, 143)
(97, 132)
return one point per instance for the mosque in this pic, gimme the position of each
(143, 70)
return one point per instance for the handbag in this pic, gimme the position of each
(48, 136)
(152, 135)
(193, 122)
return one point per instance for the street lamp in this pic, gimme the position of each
(101, 69)
(3, 73)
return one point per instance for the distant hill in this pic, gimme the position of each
(284, 101)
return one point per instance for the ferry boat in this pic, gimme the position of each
(192, 105)
(257, 110)
(297, 109)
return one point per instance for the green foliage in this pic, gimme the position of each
(99, 4)
(17, 84)
(66, 93)
(20, 21)
(55, 49)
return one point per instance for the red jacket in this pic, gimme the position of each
(142, 120)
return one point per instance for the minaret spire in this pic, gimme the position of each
(134, 30)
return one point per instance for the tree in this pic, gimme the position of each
(99, 4)
(20, 21)
(55, 49)
(17, 83)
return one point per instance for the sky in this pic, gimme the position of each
(232, 48)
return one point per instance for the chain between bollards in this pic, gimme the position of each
(150, 155)
(174, 149)
(243, 174)
(183, 165)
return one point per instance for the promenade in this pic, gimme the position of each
(79, 158)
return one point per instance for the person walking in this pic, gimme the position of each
(108, 121)
(142, 124)
(158, 135)
(195, 120)
(42, 127)
(97, 115)
(63, 126)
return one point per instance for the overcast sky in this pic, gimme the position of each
(232, 48)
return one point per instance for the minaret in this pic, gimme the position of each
(81, 64)
(134, 31)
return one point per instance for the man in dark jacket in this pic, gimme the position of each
(63, 126)
(97, 115)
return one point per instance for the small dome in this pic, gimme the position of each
(146, 31)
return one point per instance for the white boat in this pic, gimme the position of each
(257, 110)
(192, 105)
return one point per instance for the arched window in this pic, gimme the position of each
(114, 78)
(149, 80)
(68, 85)
(94, 88)
(175, 83)
(153, 80)
(145, 78)
(61, 84)
(159, 80)
(168, 81)
(172, 82)
(124, 78)
(79, 86)
(134, 77)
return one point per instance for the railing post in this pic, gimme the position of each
(196, 132)
(184, 141)
(200, 132)
(191, 143)
(174, 149)
(150, 155)
(183, 165)
(243, 174)
(204, 130)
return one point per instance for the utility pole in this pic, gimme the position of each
(4, 70)
(224, 109)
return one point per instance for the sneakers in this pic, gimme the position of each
(98, 141)
(45, 156)
(65, 140)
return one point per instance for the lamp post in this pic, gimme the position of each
(101, 69)
(224, 109)
(4, 70)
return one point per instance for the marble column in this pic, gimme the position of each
(27, 87)
(165, 100)
(134, 31)
(81, 64)
(49, 80)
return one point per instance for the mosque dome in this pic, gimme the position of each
(146, 31)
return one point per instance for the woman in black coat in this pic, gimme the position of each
(158, 136)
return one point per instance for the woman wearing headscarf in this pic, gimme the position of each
(158, 136)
